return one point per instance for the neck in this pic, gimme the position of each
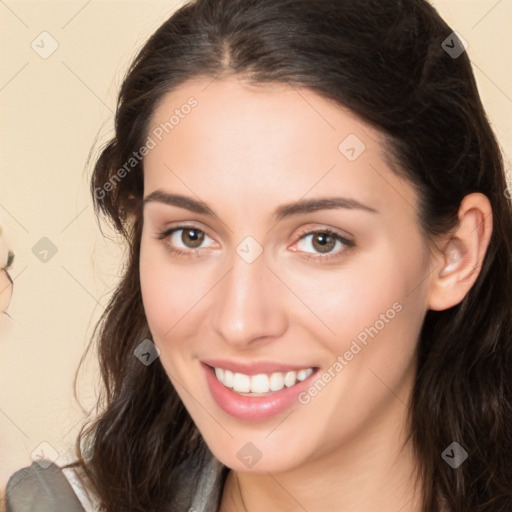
(374, 471)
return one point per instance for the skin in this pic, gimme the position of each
(244, 151)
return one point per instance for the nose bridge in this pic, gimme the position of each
(247, 303)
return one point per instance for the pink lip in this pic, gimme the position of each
(253, 408)
(254, 367)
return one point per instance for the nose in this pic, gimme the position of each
(249, 305)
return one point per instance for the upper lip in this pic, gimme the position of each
(254, 367)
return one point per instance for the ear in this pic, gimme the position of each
(460, 259)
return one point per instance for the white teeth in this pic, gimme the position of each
(290, 379)
(228, 379)
(242, 383)
(304, 374)
(276, 381)
(261, 383)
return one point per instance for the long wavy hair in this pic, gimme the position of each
(387, 61)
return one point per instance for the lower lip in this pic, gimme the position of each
(253, 408)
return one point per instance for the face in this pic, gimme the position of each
(278, 245)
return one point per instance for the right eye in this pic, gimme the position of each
(184, 240)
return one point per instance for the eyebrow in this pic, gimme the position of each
(286, 210)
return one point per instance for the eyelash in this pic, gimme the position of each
(191, 253)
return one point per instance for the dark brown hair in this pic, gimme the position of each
(384, 60)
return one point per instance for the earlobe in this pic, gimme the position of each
(462, 257)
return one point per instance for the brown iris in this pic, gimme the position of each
(323, 242)
(192, 237)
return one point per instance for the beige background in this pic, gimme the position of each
(52, 111)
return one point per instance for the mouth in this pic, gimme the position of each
(254, 394)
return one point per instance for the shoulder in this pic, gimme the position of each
(49, 488)
(41, 487)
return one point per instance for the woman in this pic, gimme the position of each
(315, 311)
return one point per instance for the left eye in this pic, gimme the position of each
(322, 241)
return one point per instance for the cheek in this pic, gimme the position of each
(172, 295)
(370, 314)
(372, 353)
(377, 315)
(165, 290)
(367, 296)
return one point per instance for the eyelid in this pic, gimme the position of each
(170, 230)
(175, 226)
(325, 229)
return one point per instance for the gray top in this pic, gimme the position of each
(34, 489)
(45, 488)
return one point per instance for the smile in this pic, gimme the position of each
(257, 391)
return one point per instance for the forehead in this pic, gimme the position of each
(265, 139)
(234, 108)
